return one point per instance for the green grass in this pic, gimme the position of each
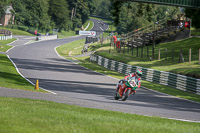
(71, 49)
(9, 78)
(17, 32)
(90, 26)
(66, 34)
(189, 69)
(195, 32)
(3, 44)
(32, 116)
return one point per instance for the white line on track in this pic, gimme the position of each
(11, 45)
(101, 28)
(25, 77)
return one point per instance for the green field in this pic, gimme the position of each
(165, 64)
(17, 32)
(71, 49)
(3, 44)
(35, 116)
(9, 77)
(90, 26)
(66, 34)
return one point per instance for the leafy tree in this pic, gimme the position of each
(59, 14)
(32, 13)
(133, 15)
(80, 11)
(102, 8)
(3, 4)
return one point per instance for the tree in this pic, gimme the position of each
(133, 15)
(32, 13)
(3, 4)
(59, 13)
(80, 11)
(102, 8)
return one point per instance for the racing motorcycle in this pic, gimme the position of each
(124, 89)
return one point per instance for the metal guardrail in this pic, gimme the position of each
(177, 81)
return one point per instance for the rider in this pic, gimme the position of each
(134, 76)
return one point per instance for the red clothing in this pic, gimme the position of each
(115, 39)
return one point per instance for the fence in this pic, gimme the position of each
(171, 55)
(5, 37)
(7, 34)
(177, 81)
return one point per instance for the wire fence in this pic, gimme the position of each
(150, 53)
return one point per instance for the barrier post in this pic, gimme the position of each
(190, 55)
(199, 55)
(159, 54)
(37, 85)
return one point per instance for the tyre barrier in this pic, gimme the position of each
(173, 80)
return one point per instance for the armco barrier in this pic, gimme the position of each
(50, 37)
(165, 78)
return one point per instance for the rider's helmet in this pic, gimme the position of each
(139, 73)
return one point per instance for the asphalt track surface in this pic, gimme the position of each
(76, 85)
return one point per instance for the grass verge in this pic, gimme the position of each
(90, 26)
(17, 32)
(66, 34)
(30, 116)
(165, 64)
(3, 44)
(10, 78)
(71, 49)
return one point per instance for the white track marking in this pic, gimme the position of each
(26, 78)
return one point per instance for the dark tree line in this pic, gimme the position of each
(48, 14)
(132, 15)
(71, 14)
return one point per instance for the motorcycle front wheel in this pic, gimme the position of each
(116, 96)
(126, 94)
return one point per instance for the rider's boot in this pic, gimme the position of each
(133, 92)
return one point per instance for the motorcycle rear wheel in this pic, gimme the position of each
(125, 95)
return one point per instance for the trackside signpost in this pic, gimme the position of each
(87, 33)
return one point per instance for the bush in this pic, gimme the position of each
(23, 28)
(14, 27)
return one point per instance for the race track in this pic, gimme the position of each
(76, 85)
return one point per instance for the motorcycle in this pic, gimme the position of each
(124, 89)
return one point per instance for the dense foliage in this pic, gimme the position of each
(194, 15)
(103, 8)
(3, 3)
(48, 14)
(132, 15)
